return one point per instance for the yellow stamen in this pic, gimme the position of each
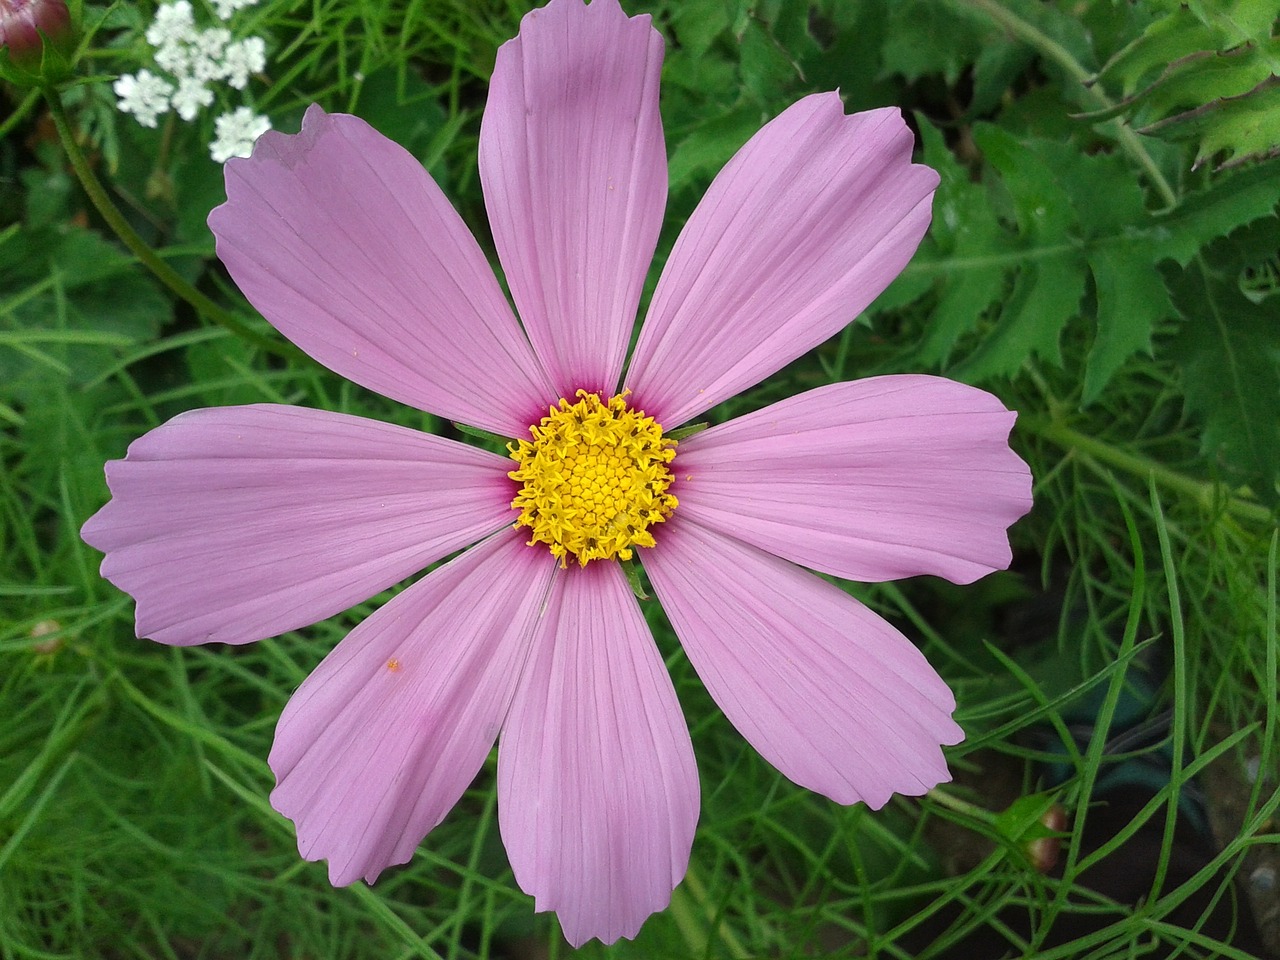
(595, 477)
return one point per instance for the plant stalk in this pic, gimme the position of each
(1049, 48)
(1207, 494)
(138, 247)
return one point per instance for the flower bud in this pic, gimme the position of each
(1044, 849)
(32, 38)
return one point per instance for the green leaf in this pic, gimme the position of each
(1239, 129)
(698, 23)
(925, 38)
(1047, 289)
(1204, 74)
(1077, 216)
(710, 145)
(1045, 296)
(90, 300)
(1164, 41)
(1132, 299)
(400, 105)
(1130, 294)
(1022, 821)
(764, 66)
(1238, 19)
(852, 61)
(1106, 200)
(1231, 202)
(633, 579)
(1229, 350)
(960, 248)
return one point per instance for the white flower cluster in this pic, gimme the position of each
(236, 132)
(195, 59)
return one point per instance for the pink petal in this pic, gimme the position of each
(574, 171)
(872, 480)
(827, 691)
(382, 739)
(236, 523)
(799, 232)
(342, 240)
(598, 792)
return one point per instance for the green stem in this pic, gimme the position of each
(1207, 494)
(951, 801)
(693, 927)
(1051, 49)
(19, 113)
(139, 248)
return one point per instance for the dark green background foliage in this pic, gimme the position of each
(1104, 256)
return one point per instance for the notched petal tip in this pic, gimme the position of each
(574, 170)
(345, 244)
(287, 148)
(598, 790)
(231, 524)
(870, 480)
(382, 739)
(799, 232)
(828, 692)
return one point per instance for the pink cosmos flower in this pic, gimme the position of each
(239, 523)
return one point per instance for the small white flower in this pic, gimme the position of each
(246, 57)
(146, 96)
(190, 96)
(207, 50)
(174, 22)
(227, 8)
(236, 131)
(174, 56)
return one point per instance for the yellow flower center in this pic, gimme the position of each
(594, 477)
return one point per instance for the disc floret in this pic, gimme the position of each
(594, 479)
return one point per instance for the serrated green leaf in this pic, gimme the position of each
(1201, 79)
(1252, 256)
(1166, 40)
(1239, 19)
(1040, 203)
(960, 246)
(1132, 299)
(1106, 200)
(1231, 357)
(1217, 68)
(1047, 288)
(1110, 211)
(1201, 218)
(926, 38)
(1229, 349)
(964, 302)
(1045, 296)
(1240, 128)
